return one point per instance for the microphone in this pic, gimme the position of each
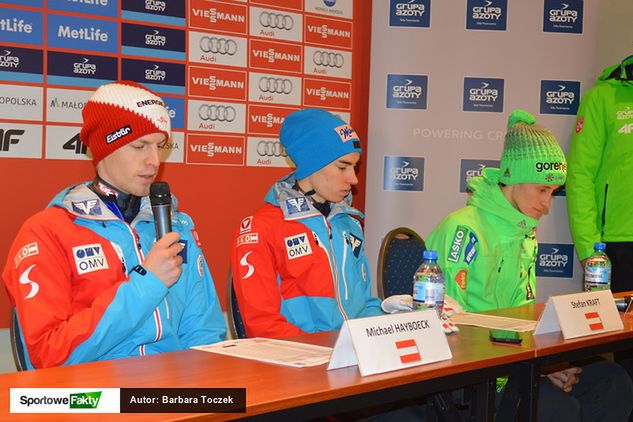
(160, 198)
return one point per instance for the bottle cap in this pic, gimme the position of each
(599, 246)
(429, 254)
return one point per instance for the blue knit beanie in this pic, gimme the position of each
(313, 138)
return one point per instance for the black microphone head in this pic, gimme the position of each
(159, 193)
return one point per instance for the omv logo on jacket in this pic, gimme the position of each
(404, 173)
(490, 15)
(483, 94)
(555, 260)
(560, 97)
(83, 34)
(410, 13)
(563, 16)
(21, 26)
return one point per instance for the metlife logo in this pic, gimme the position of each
(91, 7)
(176, 111)
(555, 260)
(83, 34)
(472, 168)
(414, 13)
(483, 94)
(32, 3)
(407, 91)
(563, 16)
(490, 15)
(560, 97)
(404, 173)
(21, 25)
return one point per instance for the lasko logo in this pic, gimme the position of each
(92, 7)
(407, 91)
(83, 34)
(459, 238)
(298, 246)
(487, 14)
(21, 25)
(555, 260)
(85, 400)
(29, 250)
(472, 168)
(410, 13)
(89, 258)
(560, 97)
(563, 16)
(404, 173)
(483, 94)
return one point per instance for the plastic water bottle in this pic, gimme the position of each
(428, 284)
(598, 269)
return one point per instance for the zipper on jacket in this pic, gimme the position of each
(334, 269)
(604, 209)
(345, 244)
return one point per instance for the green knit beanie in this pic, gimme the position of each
(531, 153)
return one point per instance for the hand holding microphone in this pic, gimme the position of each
(163, 260)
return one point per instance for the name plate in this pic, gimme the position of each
(389, 342)
(580, 314)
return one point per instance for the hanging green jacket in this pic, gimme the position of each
(600, 162)
(487, 250)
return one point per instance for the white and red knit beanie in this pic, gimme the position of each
(119, 113)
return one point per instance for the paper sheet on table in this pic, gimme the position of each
(494, 322)
(281, 352)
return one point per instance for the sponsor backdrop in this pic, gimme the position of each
(229, 71)
(444, 77)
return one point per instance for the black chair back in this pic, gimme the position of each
(236, 325)
(17, 347)
(399, 257)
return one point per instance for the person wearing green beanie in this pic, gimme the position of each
(487, 251)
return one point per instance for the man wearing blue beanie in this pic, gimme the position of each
(299, 263)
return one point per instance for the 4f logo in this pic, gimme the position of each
(9, 137)
(626, 129)
(75, 144)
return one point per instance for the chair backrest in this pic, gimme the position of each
(236, 325)
(17, 347)
(399, 257)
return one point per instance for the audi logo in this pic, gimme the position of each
(328, 59)
(270, 149)
(217, 45)
(276, 20)
(217, 113)
(275, 85)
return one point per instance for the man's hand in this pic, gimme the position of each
(397, 303)
(163, 259)
(566, 378)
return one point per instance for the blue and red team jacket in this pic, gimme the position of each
(296, 271)
(69, 274)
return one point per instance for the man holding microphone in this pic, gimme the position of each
(87, 275)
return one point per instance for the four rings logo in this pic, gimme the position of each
(328, 59)
(270, 149)
(217, 113)
(275, 85)
(218, 45)
(276, 21)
